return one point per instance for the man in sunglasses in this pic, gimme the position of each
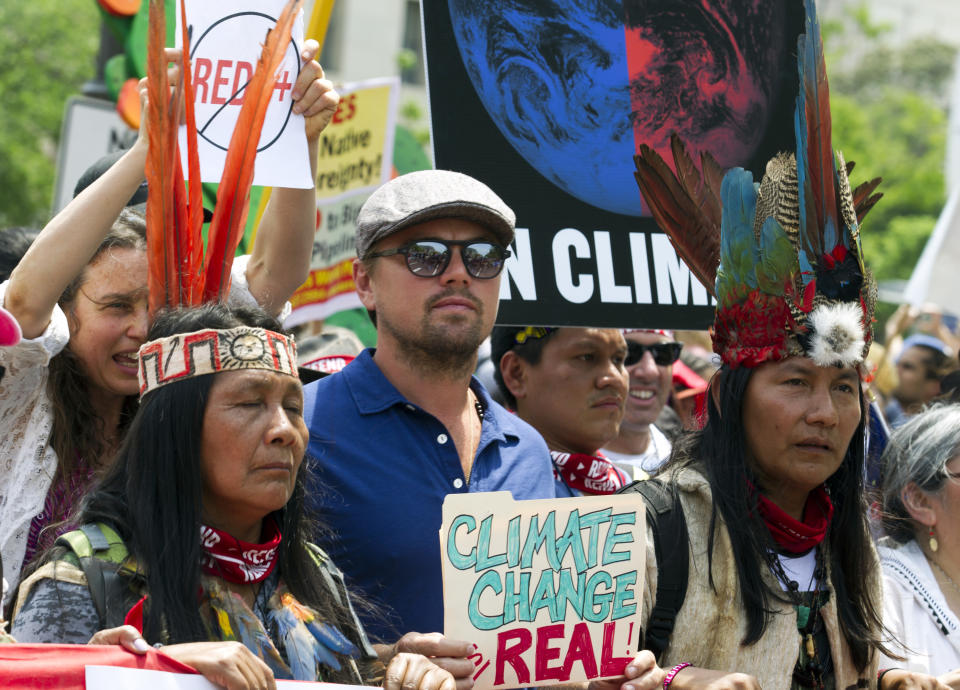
(570, 384)
(641, 448)
(405, 424)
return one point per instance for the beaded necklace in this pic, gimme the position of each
(812, 663)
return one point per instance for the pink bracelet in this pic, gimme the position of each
(672, 673)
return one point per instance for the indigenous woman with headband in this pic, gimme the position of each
(80, 297)
(198, 532)
(782, 580)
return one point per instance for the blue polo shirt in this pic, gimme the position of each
(379, 469)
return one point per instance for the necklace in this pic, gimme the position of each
(478, 407)
(812, 662)
(944, 573)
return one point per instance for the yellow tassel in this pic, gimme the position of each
(224, 621)
(811, 649)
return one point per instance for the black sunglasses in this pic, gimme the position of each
(664, 354)
(430, 258)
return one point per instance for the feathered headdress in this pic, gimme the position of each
(783, 257)
(180, 274)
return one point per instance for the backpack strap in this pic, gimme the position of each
(671, 544)
(333, 578)
(99, 552)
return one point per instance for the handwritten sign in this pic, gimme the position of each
(548, 591)
(226, 39)
(355, 157)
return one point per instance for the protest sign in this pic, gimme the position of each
(355, 157)
(226, 39)
(112, 678)
(549, 591)
(548, 102)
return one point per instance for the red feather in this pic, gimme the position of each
(193, 249)
(229, 217)
(174, 220)
(160, 169)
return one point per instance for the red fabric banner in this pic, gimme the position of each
(63, 666)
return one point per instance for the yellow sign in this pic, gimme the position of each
(355, 157)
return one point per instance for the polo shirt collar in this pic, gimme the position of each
(372, 393)
(371, 390)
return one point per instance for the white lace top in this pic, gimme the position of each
(27, 462)
(915, 611)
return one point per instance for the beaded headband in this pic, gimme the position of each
(210, 351)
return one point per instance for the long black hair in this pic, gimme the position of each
(718, 450)
(152, 496)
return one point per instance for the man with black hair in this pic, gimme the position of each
(922, 362)
(570, 384)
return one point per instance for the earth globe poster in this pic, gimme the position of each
(547, 102)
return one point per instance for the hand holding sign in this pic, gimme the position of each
(450, 655)
(313, 95)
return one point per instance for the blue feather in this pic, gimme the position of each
(331, 638)
(806, 270)
(738, 249)
(800, 131)
(304, 651)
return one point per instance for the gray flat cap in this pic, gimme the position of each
(426, 195)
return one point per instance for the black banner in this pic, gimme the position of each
(546, 101)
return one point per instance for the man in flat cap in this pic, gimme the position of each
(405, 424)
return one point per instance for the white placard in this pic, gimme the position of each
(114, 678)
(226, 39)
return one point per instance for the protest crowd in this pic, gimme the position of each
(177, 479)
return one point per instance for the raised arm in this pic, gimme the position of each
(68, 242)
(280, 260)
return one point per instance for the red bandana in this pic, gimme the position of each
(590, 474)
(237, 561)
(793, 536)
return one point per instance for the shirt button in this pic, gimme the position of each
(441, 439)
(411, 407)
(457, 483)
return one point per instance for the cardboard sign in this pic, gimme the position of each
(548, 591)
(355, 157)
(547, 103)
(112, 678)
(226, 39)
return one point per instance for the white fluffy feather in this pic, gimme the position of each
(838, 335)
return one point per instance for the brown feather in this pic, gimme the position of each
(863, 208)
(863, 192)
(678, 212)
(694, 183)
